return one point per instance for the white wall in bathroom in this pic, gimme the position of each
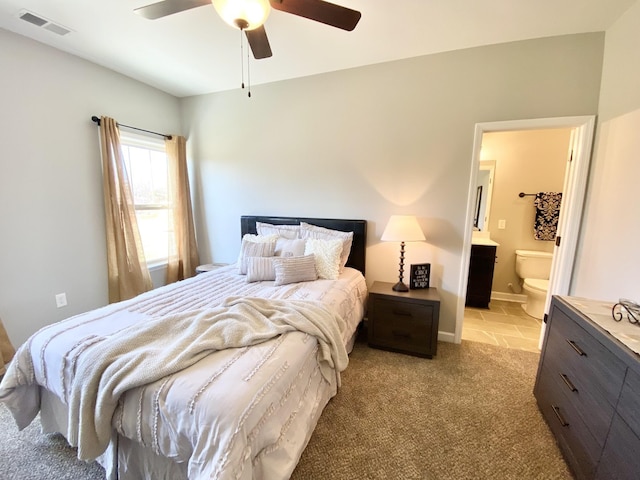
(527, 161)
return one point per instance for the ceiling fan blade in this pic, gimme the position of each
(259, 43)
(320, 11)
(169, 7)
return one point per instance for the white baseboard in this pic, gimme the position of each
(509, 297)
(446, 337)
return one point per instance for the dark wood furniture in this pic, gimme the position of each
(357, 255)
(588, 390)
(405, 322)
(481, 264)
(208, 267)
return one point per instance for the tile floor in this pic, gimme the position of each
(503, 323)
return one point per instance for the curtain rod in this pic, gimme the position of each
(96, 120)
(522, 194)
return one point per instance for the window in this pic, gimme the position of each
(147, 166)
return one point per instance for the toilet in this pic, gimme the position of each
(534, 268)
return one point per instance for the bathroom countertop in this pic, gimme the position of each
(487, 242)
(483, 238)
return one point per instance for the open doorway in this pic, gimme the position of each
(573, 188)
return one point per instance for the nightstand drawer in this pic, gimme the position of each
(401, 312)
(401, 325)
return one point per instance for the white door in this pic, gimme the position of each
(570, 216)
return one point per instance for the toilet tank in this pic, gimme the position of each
(533, 264)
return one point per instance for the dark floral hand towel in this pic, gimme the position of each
(547, 213)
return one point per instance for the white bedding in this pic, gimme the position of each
(238, 413)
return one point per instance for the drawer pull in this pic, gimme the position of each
(556, 410)
(402, 313)
(397, 333)
(568, 382)
(576, 348)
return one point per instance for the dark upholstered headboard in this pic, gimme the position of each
(358, 227)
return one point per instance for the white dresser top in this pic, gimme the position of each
(600, 313)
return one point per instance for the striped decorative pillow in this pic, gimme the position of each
(255, 246)
(260, 269)
(295, 269)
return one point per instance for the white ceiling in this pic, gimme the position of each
(195, 52)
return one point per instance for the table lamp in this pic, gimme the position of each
(402, 228)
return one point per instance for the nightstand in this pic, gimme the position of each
(208, 267)
(405, 322)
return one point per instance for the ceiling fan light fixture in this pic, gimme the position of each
(243, 14)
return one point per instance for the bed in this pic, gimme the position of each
(222, 376)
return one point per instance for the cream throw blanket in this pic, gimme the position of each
(146, 352)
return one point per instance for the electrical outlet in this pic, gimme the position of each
(61, 300)
(502, 224)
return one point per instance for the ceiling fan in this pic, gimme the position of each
(250, 15)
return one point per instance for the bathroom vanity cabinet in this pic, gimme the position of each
(588, 389)
(481, 265)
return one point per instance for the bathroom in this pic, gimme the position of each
(526, 161)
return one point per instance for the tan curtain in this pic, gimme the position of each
(127, 268)
(183, 251)
(6, 349)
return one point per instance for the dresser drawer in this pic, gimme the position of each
(620, 459)
(401, 325)
(574, 437)
(592, 368)
(629, 405)
(590, 376)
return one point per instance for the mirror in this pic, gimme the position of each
(482, 212)
(476, 216)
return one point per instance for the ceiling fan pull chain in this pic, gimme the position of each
(248, 73)
(241, 58)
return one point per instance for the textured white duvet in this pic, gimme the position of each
(243, 412)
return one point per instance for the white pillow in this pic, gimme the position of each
(327, 254)
(260, 269)
(294, 269)
(286, 231)
(255, 246)
(313, 231)
(286, 247)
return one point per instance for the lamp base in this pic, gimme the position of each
(400, 287)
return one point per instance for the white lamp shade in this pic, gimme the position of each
(254, 12)
(402, 228)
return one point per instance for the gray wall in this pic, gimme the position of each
(377, 140)
(609, 256)
(51, 206)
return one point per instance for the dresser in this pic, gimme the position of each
(405, 322)
(588, 389)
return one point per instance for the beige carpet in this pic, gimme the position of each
(467, 414)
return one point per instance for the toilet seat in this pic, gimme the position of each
(537, 284)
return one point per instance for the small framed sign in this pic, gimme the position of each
(419, 277)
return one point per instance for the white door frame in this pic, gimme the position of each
(575, 184)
